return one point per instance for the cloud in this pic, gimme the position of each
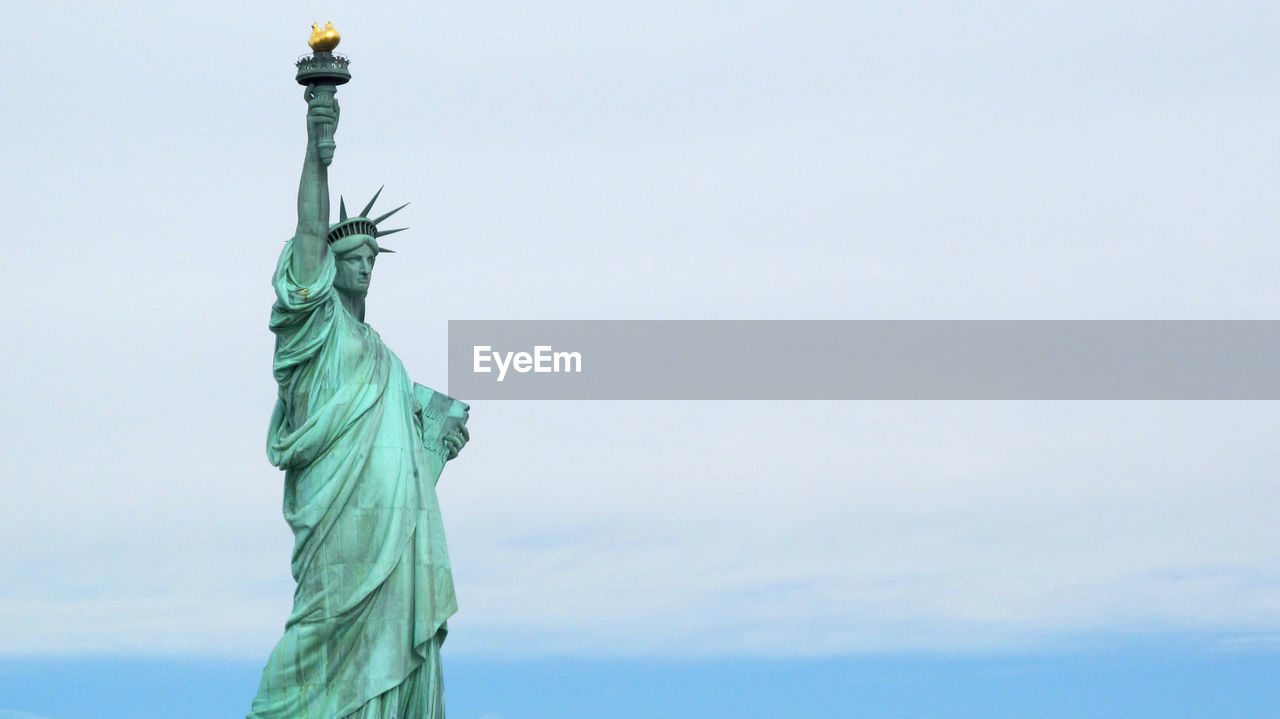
(628, 528)
(11, 714)
(817, 161)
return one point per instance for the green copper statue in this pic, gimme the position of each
(362, 448)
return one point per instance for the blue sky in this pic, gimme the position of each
(1157, 681)
(756, 160)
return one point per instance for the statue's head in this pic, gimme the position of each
(355, 265)
(354, 244)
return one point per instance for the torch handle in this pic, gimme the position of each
(323, 128)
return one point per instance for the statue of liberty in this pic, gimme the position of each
(362, 448)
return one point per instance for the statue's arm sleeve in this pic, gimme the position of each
(304, 313)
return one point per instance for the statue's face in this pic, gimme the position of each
(355, 269)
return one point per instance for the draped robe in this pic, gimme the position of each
(374, 585)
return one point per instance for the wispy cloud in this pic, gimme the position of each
(858, 527)
(11, 714)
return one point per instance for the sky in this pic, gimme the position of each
(703, 160)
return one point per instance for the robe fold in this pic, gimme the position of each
(374, 585)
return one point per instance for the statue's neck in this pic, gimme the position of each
(354, 303)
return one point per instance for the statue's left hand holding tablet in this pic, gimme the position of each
(455, 441)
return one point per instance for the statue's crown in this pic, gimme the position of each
(361, 224)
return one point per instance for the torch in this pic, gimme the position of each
(323, 70)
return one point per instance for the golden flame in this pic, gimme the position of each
(324, 40)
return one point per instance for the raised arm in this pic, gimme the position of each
(309, 240)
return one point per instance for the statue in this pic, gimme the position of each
(362, 448)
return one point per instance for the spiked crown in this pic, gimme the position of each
(361, 225)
